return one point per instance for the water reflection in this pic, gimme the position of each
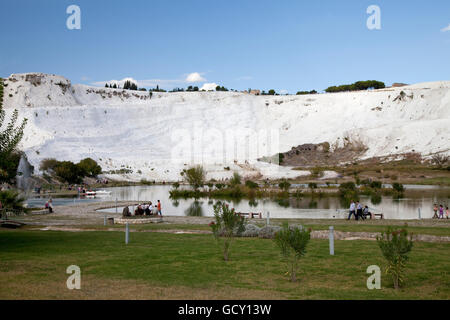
(195, 209)
(304, 207)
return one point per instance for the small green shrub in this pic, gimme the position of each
(236, 179)
(292, 243)
(395, 246)
(227, 225)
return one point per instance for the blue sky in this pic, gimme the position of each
(285, 45)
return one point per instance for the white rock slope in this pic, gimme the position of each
(162, 134)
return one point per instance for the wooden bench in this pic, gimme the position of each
(375, 215)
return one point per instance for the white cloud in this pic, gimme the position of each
(446, 29)
(84, 78)
(284, 91)
(209, 86)
(194, 77)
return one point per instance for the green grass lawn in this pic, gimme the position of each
(440, 228)
(166, 266)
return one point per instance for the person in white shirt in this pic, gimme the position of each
(352, 210)
(359, 210)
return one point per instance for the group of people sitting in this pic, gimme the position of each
(359, 211)
(144, 209)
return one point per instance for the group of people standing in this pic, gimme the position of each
(440, 209)
(357, 210)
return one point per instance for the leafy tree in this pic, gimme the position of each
(128, 85)
(9, 166)
(69, 172)
(271, 92)
(227, 224)
(9, 138)
(195, 176)
(292, 243)
(89, 167)
(176, 185)
(48, 164)
(359, 85)
(395, 246)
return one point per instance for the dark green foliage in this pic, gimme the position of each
(192, 89)
(312, 185)
(89, 167)
(292, 242)
(219, 88)
(376, 184)
(306, 92)
(219, 186)
(395, 246)
(398, 187)
(12, 200)
(280, 158)
(226, 226)
(69, 172)
(284, 185)
(360, 85)
(128, 85)
(8, 166)
(251, 184)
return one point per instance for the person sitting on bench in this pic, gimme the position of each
(366, 213)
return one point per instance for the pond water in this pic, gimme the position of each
(329, 207)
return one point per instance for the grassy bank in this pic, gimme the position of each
(411, 170)
(159, 266)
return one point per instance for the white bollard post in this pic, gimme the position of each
(420, 217)
(331, 241)
(116, 205)
(268, 218)
(127, 233)
(104, 220)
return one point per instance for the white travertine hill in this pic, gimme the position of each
(165, 133)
